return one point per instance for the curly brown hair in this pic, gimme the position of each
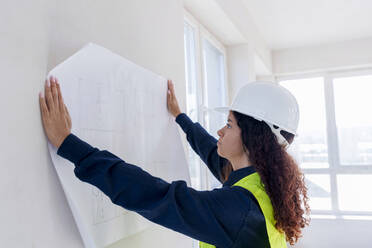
(280, 174)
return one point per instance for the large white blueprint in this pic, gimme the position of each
(118, 106)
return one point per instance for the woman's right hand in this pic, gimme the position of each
(172, 103)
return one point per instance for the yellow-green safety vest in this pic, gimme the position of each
(253, 184)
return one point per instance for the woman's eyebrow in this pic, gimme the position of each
(228, 120)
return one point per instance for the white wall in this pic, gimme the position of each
(241, 67)
(342, 55)
(35, 36)
(340, 233)
(239, 16)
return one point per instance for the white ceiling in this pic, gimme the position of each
(209, 13)
(297, 23)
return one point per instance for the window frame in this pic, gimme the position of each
(201, 32)
(335, 167)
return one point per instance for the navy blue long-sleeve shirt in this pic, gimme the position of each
(225, 217)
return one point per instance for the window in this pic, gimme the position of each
(214, 78)
(192, 102)
(205, 69)
(215, 92)
(190, 72)
(353, 104)
(334, 146)
(310, 147)
(354, 191)
(353, 121)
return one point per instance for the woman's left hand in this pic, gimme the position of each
(55, 116)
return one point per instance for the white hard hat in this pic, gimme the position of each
(268, 102)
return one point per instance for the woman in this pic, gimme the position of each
(263, 199)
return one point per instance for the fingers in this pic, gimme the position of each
(54, 92)
(171, 87)
(168, 87)
(171, 93)
(61, 104)
(43, 106)
(48, 95)
(168, 91)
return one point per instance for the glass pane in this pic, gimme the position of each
(310, 148)
(194, 168)
(191, 99)
(214, 78)
(354, 192)
(353, 119)
(190, 72)
(319, 191)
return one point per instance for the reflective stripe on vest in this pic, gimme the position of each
(253, 184)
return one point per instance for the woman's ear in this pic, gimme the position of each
(288, 136)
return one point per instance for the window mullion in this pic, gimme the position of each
(332, 140)
(202, 98)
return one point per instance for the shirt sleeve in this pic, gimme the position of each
(174, 205)
(204, 144)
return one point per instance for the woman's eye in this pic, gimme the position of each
(228, 125)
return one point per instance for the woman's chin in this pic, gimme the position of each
(219, 152)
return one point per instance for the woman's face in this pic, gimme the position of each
(230, 144)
